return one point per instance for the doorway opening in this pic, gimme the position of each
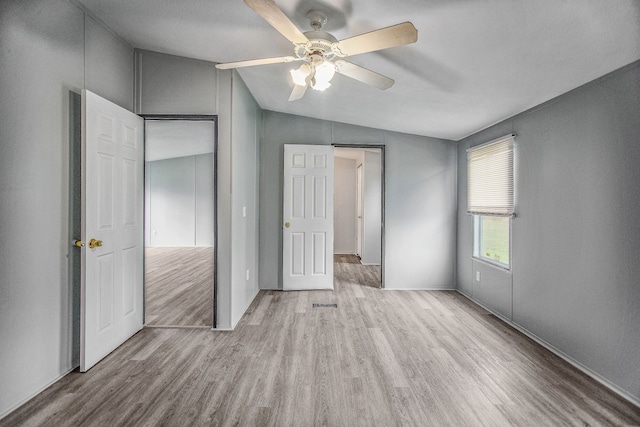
(359, 213)
(180, 221)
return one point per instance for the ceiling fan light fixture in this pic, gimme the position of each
(317, 49)
(300, 75)
(324, 72)
(319, 84)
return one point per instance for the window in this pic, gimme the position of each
(491, 239)
(490, 199)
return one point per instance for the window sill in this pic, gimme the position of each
(491, 264)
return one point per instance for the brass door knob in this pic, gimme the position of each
(93, 243)
(287, 224)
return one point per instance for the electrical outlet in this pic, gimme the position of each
(477, 276)
(247, 274)
(244, 211)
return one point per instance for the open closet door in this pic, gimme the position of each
(112, 227)
(307, 234)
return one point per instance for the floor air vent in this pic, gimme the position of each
(316, 305)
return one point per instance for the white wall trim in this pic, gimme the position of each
(599, 378)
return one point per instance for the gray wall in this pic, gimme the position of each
(344, 206)
(109, 65)
(168, 84)
(204, 200)
(245, 115)
(576, 238)
(49, 49)
(179, 201)
(420, 189)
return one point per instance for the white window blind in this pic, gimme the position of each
(490, 175)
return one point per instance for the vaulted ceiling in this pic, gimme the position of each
(476, 62)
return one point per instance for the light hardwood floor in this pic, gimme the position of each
(381, 358)
(179, 286)
(347, 268)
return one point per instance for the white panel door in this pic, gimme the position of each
(307, 236)
(112, 218)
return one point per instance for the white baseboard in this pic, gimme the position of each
(573, 362)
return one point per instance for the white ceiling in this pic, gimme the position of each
(476, 62)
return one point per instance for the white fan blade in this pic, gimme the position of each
(278, 20)
(396, 35)
(252, 62)
(298, 92)
(362, 74)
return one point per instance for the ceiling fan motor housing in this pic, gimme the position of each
(317, 19)
(320, 42)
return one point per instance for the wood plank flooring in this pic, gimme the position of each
(365, 275)
(179, 286)
(381, 358)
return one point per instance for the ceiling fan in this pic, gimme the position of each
(320, 52)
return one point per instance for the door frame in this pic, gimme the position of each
(380, 147)
(201, 118)
(359, 208)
